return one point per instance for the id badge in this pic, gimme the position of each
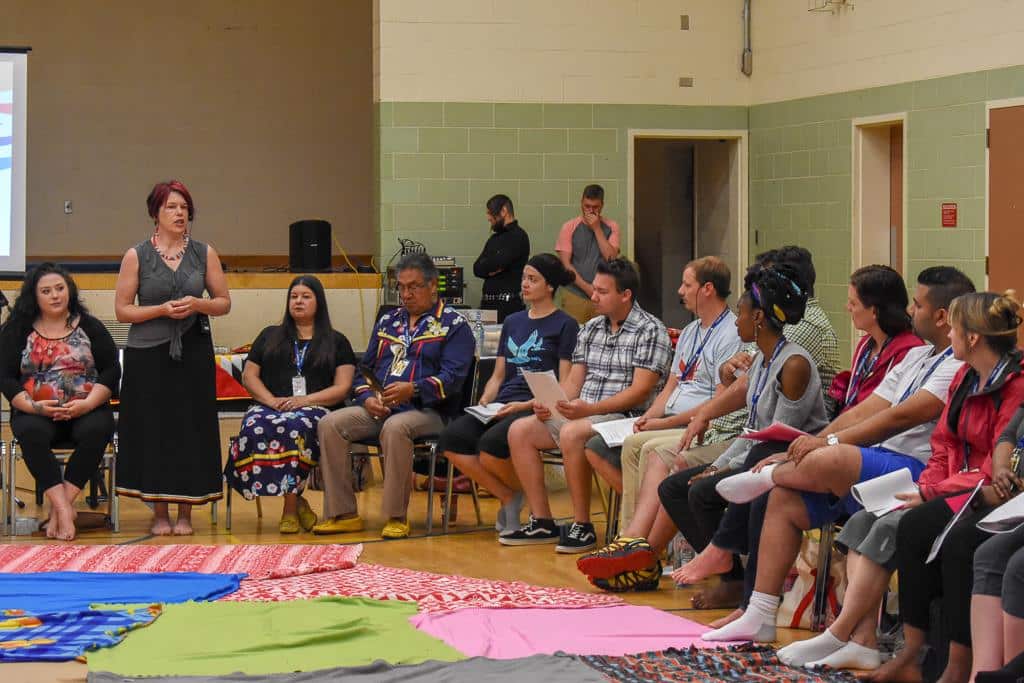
(298, 385)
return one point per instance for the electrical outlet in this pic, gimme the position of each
(67, 206)
(684, 22)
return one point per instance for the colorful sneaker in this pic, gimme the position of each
(621, 555)
(578, 538)
(534, 532)
(642, 580)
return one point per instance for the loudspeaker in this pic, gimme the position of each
(309, 246)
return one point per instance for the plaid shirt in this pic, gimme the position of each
(641, 342)
(816, 335)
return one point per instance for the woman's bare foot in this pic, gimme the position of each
(711, 560)
(62, 521)
(727, 619)
(903, 668)
(183, 527)
(724, 594)
(161, 526)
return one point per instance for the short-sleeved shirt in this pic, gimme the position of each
(533, 345)
(577, 240)
(277, 369)
(720, 342)
(912, 374)
(611, 357)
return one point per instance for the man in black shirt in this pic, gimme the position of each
(501, 262)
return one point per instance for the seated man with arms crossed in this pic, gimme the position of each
(621, 358)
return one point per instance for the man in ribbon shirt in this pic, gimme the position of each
(810, 484)
(703, 346)
(419, 356)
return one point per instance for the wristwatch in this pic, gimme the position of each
(832, 440)
(415, 390)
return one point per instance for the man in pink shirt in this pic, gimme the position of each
(584, 242)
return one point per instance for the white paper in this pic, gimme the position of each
(547, 392)
(878, 495)
(615, 432)
(937, 545)
(485, 413)
(1007, 517)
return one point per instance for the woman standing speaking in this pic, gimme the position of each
(169, 434)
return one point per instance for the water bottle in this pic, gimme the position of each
(478, 334)
(681, 552)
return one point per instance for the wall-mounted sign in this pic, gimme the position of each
(949, 214)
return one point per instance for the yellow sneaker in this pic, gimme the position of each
(289, 524)
(337, 525)
(307, 518)
(395, 528)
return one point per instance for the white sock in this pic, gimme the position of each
(812, 649)
(757, 622)
(851, 656)
(746, 486)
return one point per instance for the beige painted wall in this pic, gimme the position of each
(264, 109)
(878, 42)
(621, 51)
(716, 180)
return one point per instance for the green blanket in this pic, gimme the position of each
(272, 637)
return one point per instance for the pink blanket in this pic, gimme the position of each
(258, 561)
(511, 633)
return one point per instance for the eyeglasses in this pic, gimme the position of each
(411, 288)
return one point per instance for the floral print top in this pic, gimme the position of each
(61, 369)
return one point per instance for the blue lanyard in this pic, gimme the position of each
(696, 351)
(762, 381)
(914, 386)
(863, 370)
(965, 413)
(300, 355)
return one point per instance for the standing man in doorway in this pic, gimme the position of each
(583, 243)
(501, 262)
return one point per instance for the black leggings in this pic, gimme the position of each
(37, 435)
(949, 577)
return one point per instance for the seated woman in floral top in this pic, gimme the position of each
(58, 369)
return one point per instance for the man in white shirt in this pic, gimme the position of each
(703, 346)
(810, 484)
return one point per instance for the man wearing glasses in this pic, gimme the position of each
(415, 364)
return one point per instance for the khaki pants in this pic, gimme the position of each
(396, 434)
(637, 451)
(579, 309)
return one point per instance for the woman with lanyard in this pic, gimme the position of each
(296, 371)
(877, 303)
(983, 397)
(784, 387)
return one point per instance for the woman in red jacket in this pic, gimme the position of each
(982, 399)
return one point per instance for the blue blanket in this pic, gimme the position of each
(64, 636)
(77, 591)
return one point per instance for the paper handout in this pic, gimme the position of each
(615, 432)
(1007, 517)
(547, 392)
(776, 431)
(878, 495)
(964, 504)
(485, 413)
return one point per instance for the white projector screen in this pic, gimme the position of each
(13, 108)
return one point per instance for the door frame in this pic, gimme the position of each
(989, 106)
(857, 127)
(741, 136)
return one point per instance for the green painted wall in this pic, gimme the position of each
(440, 161)
(800, 174)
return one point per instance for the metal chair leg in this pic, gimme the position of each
(430, 489)
(227, 508)
(259, 507)
(476, 502)
(823, 579)
(213, 513)
(448, 486)
(114, 502)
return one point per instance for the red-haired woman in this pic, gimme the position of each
(170, 438)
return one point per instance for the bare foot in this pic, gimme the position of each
(64, 522)
(727, 619)
(49, 525)
(724, 594)
(711, 560)
(161, 527)
(183, 527)
(901, 669)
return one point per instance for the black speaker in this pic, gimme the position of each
(309, 246)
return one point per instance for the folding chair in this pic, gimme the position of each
(611, 504)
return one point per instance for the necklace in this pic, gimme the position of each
(170, 257)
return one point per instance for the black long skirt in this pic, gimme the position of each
(168, 429)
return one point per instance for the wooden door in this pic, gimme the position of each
(896, 197)
(1006, 200)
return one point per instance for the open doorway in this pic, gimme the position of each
(878, 178)
(687, 199)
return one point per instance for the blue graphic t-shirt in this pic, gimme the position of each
(534, 346)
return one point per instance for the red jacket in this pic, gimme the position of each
(891, 355)
(981, 417)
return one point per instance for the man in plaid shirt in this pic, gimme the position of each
(620, 361)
